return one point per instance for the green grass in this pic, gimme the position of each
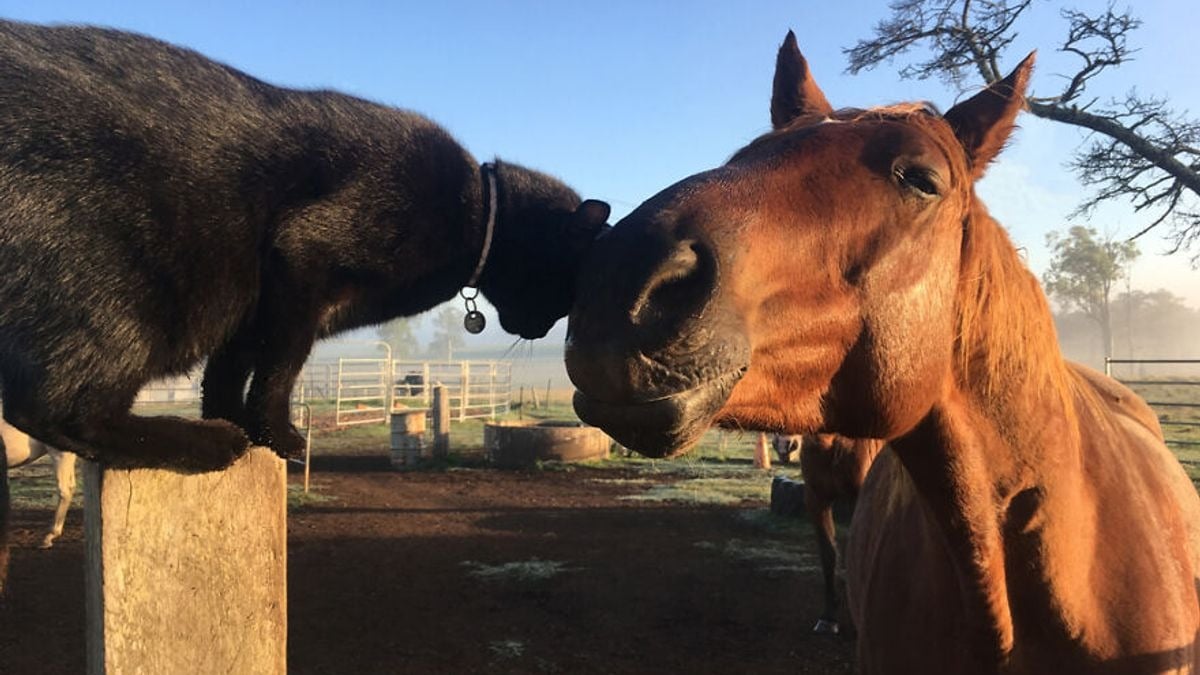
(1189, 457)
(1183, 439)
(297, 498)
(356, 439)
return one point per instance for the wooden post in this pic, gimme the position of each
(548, 394)
(408, 438)
(762, 452)
(187, 573)
(521, 404)
(441, 421)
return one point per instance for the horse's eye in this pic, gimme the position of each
(918, 178)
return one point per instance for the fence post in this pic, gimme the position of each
(492, 389)
(466, 390)
(441, 421)
(762, 455)
(1108, 366)
(187, 573)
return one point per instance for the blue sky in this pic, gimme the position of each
(622, 98)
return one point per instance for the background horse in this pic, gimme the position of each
(834, 467)
(21, 449)
(839, 274)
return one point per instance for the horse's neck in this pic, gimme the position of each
(999, 436)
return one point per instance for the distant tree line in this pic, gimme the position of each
(448, 335)
(1145, 325)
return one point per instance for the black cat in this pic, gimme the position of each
(157, 208)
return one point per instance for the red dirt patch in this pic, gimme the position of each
(380, 582)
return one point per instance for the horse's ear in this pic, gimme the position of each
(795, 92)
(983, 122)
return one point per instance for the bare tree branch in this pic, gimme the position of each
(1140, 151)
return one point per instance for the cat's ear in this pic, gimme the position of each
(588, 222)
(592, 213)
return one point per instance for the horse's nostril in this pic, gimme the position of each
(670, 287)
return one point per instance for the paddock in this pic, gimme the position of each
(654, 566)
(584, 569)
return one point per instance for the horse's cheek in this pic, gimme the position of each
(909, 327)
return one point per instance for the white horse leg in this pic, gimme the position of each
(64, 474)
(19, 448)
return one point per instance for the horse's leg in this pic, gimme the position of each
(64, 476)
(225, 376)
(820, 513)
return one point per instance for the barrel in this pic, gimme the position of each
(408, 437)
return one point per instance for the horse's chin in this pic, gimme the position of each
(664, 427)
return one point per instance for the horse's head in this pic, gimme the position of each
(543, 231)
(809, 284)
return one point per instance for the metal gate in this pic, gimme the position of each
(368, 389)
(363, 394)
(475, 388)
(1176, 400)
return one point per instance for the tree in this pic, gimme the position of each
(447, 332)
(1142, 151)
(401, 335)
(1082, 272)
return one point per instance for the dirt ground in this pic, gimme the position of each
(561, 570)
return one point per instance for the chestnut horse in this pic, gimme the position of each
(839, 274)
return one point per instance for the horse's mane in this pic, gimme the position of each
(1005, 332)
(902, 111)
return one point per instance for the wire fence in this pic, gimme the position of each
(1176, 399)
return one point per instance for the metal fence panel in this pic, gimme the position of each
(365, 390)
(475, 389)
